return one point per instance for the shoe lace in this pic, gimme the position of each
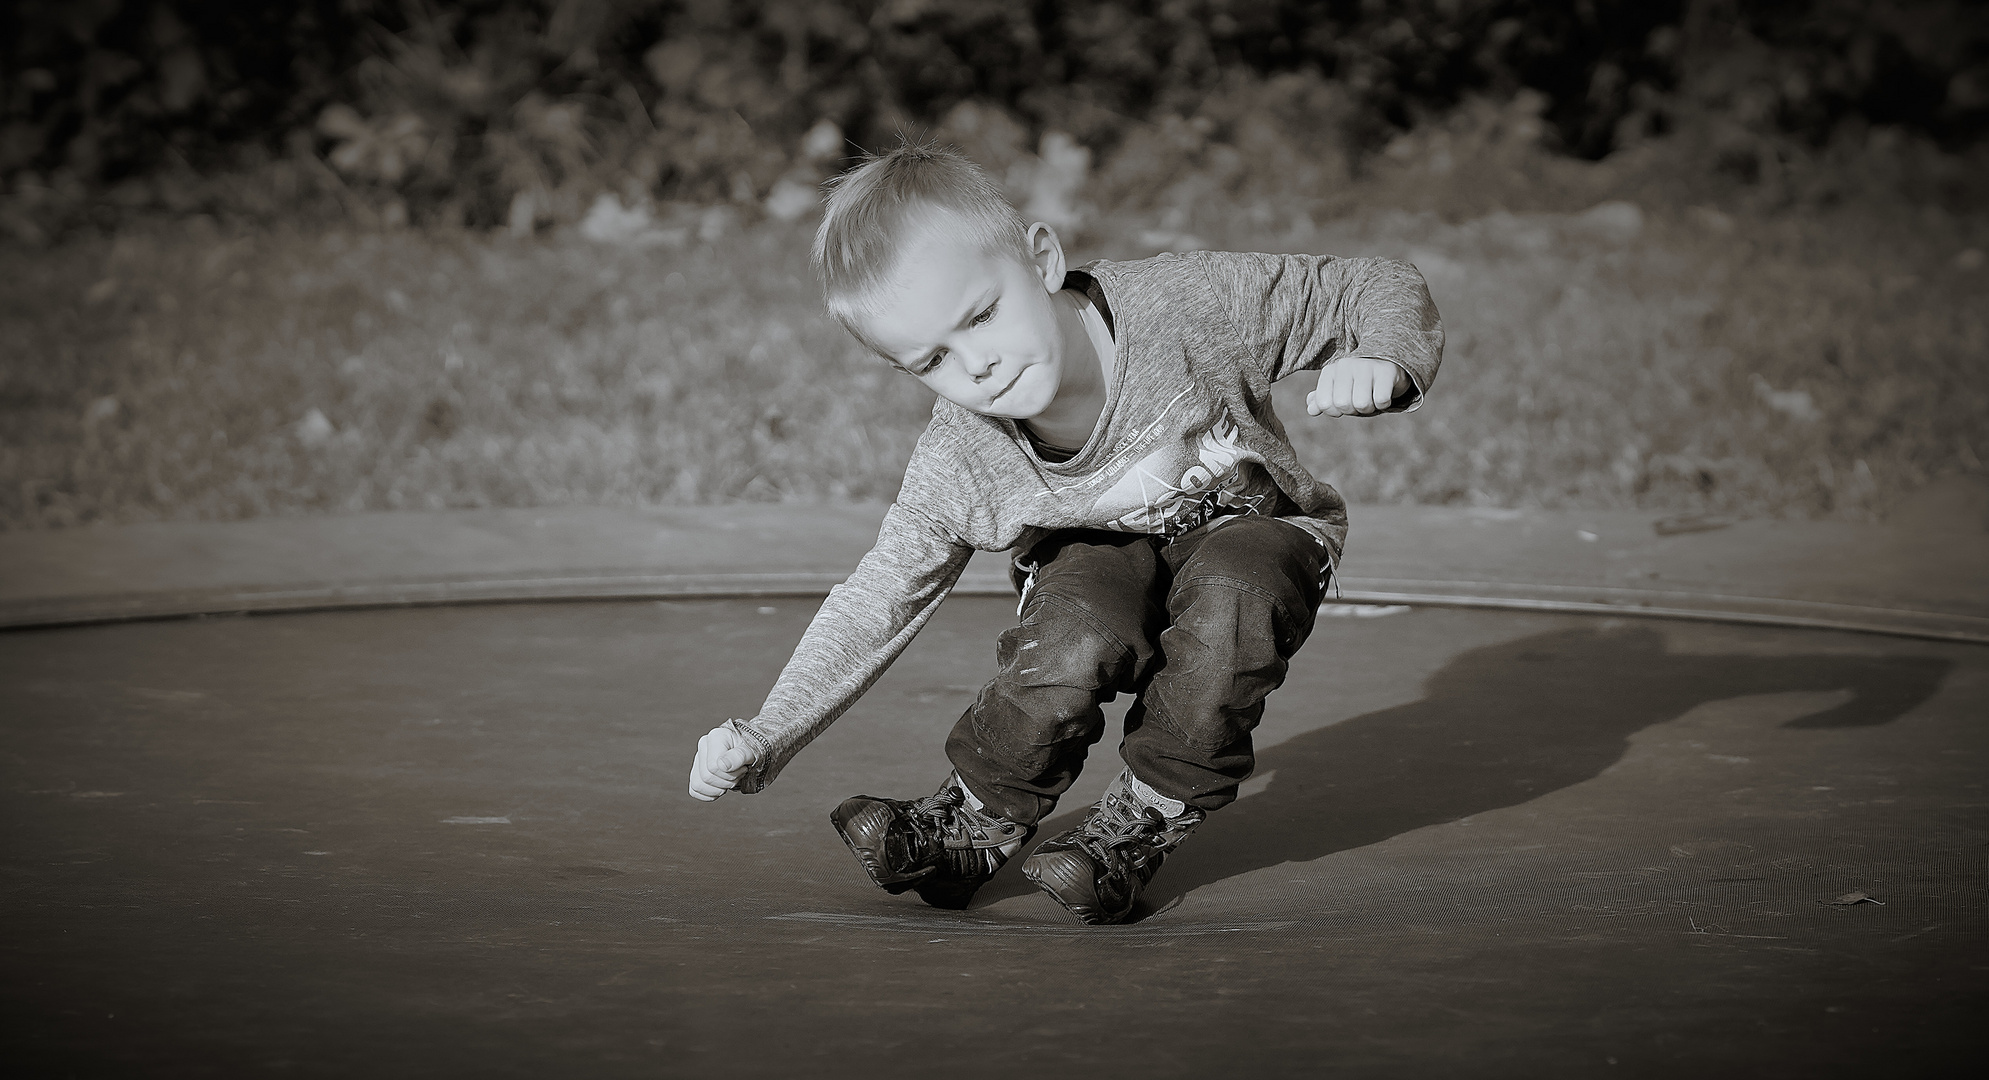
(1119, 822)
(933, 816)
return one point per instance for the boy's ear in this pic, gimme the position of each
(1046, 255)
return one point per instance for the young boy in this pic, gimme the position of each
(1112, 426)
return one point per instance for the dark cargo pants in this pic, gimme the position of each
(1201, 628)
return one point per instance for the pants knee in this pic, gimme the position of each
(1057, 667)
(1229, 646)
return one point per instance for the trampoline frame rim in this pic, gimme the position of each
(580, 588)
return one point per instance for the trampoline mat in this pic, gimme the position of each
(456, 841)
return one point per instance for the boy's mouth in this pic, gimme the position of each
(1005, 389)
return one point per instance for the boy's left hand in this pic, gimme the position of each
(1357, 386)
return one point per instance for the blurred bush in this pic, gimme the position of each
(517, 113)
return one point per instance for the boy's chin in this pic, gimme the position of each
(1017, 410)
(1006, 410)
(1003, 412)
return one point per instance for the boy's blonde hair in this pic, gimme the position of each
(870, 208)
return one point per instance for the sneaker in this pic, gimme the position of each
(1096, 871)
(938, 846)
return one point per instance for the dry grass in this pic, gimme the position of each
(1787, 369)
(1794, 367)
(449, 370)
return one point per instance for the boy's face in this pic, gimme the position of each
(979, 328)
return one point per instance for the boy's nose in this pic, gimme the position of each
(976, 364)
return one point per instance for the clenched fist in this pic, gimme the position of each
(1357, 386)
(723, 757)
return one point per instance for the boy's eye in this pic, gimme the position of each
(928, 365)
(985, 315)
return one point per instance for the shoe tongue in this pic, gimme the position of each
(1145, 796)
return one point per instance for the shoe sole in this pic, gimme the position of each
(870, 819)
(947, 895)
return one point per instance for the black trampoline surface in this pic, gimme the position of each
(455, 841)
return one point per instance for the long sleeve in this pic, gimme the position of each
(1300, 312)
(859, 630)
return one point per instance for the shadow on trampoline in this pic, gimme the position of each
(1497, 727)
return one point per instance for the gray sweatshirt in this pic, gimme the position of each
(1187, 435)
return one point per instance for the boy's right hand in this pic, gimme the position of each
(723, 757)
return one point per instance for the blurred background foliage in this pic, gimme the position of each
(522, 113)
(1717, 256)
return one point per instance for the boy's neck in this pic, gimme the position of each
(1088, 352)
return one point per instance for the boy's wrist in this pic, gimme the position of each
(757, 750)
(740, 736)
